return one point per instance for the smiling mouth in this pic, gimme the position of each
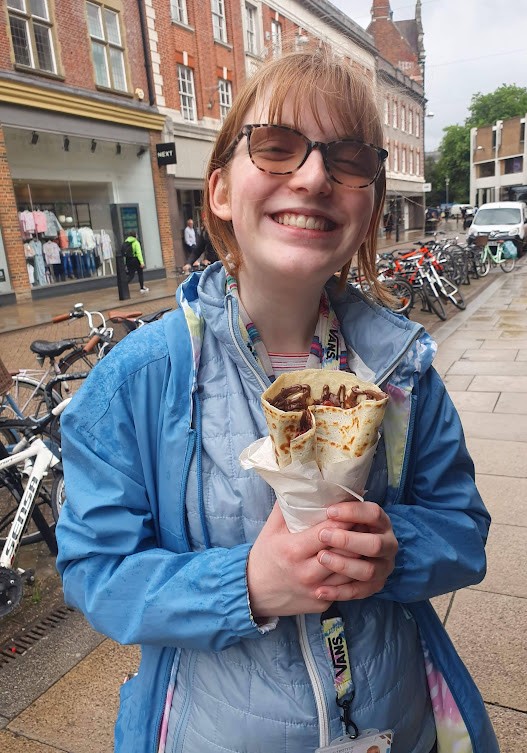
(307, 222)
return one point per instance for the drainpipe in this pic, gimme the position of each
(146, 52)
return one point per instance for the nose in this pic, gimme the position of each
(312, 177)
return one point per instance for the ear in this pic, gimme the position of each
(219, 195)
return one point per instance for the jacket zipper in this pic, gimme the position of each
(241, 349)
(383, 377)
(316, 681)
(182, 721)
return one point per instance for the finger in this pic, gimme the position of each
(363, 569)
(364, 544)
(365, 513)
(349, 591)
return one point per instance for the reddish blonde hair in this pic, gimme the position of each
(307, 77)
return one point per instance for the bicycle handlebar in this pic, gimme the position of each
(91, 344)
(61, 318)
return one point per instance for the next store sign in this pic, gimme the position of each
(166, 154)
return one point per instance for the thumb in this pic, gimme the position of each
(275, 522)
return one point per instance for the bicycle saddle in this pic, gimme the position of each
(47, 349)
(148, 318)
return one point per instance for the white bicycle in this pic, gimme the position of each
(29, 451)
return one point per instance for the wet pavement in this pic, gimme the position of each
(62, 694)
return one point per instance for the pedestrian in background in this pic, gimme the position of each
(135, 262)
(189, 237)
(165, 541)
(203, 252)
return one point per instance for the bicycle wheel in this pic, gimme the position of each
(14, 479)
(58, 495)
(507, 265)
(77, 361)
(433, 302)
(483, 265)
(403, 292)
(452, 293)
(27, 399)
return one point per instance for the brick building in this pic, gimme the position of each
(77, 140)
(401, 88)
(498, 162)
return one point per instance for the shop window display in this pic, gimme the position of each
(57, 250)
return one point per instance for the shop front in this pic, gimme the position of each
(80, 187)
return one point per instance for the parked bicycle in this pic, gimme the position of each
(496, 250)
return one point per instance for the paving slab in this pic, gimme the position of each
(495, 383)
(29, 675)
(457, 383)
(478, 333)
(445, 359)
(492, 368)
(486, 354)
(498, 344)
(11, 743)
(483, 402)
(493, 426)
(506, 561)
(78, 713)
(498, 458)
(512, 403)
(509, 726)
(504, 497)
(522, 355)
(488, 630)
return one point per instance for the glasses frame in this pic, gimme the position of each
(322, 146)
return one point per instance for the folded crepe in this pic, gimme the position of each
(325, 416)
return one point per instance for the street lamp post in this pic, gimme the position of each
(447, 181)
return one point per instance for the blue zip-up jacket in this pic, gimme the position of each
(160, 518)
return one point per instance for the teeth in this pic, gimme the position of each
(300, 220)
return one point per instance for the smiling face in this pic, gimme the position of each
(303, 225)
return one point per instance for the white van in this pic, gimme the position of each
(456, 209)
(508, 218)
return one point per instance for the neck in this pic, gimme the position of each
(285, 317)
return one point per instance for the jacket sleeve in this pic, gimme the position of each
(113, 567)
(441, 524)
(138, 251)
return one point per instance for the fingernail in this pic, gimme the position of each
(325, 558)
(333, 511)
(322, 595)
(326, 536)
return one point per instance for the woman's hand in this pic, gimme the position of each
(284, 573)
(363, 553)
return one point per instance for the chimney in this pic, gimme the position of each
(380, 10)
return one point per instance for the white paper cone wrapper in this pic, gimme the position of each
(304, 491)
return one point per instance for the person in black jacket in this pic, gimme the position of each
(203, 248)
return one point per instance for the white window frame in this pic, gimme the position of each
(178, 10)
(410, 120)
(418, 162)
(109, 45)
(386, 111)
(251, 29)
(394, 114)
(403, 117)
(276, 37)
(411, 162)
(396, 158)
(187, 92)
(224, 97)
(403, 160)
(219, 23)
(30, 19)
(418, 123)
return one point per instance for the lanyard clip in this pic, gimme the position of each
(351, 728)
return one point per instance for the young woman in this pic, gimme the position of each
(165, 541)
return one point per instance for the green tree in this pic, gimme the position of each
(454, 164)
(507, 101)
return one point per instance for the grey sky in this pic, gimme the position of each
(471, 46)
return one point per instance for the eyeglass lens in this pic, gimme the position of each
(279, 150)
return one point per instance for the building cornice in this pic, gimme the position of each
(55, 99)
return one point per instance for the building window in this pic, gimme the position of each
(522, 131)
(403, 160)
(386, 111)
(187, 97)
(403, 118)
(411, 158)
(417, 123)
(417, 163)
(485, 170)
(396, 159)
(225, 97)
(512, 165)
(107, 47)
(276, 38)
(410, 120)
(31, 34)
(394, 113)
(219, 27)
(179, 11)
(250, 29)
